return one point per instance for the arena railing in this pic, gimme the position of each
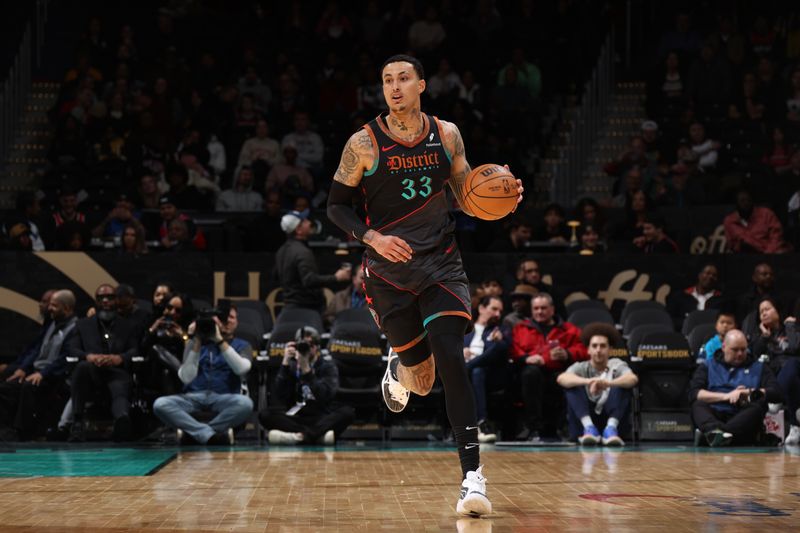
(587, 119)
(16, 85)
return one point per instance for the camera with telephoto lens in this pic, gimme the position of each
(753, 395)
(204, 325)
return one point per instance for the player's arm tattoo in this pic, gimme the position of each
(460, 168)
(356, 151)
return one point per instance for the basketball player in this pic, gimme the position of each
(415, 282)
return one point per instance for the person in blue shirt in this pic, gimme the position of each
(212, 372)
(726, 321)
(729, 394)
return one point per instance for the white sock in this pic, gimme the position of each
(587, 421)
(612, 422)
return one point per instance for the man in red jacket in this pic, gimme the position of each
(542, 348)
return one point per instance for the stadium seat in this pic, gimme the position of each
(356, 348)
(646, 316)
(699, 335)
(585, 304)
(664, 347)
(307, 317)
(582, 317)
(260, 308)
(638, 333)
(700, 316)
(750, 324)
(639, 305)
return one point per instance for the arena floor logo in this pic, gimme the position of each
(78, 267)
(744, 506)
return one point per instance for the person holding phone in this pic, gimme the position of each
(164, 342)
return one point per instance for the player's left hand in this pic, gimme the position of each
(520, 190)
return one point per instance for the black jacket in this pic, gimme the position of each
(87, 338)
(296, 270)
(322, 382)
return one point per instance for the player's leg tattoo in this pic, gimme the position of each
(418, 378)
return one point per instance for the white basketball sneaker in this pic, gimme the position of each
(394, 394)
(473, 500)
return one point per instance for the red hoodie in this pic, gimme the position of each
(528, 339)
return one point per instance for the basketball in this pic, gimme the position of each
(491, 192)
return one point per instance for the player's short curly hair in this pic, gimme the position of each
(418, 68)
(604, 330)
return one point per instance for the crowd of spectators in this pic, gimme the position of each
(242, 128)
(259, 110)
(537, 376)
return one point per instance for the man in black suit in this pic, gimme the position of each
(105, 344)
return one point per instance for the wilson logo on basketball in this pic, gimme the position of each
(397, 162)
(489, 171)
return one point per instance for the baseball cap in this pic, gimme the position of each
(292, 219)
(649, 125)
(164, 200)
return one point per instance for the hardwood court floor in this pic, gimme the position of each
(413, 489)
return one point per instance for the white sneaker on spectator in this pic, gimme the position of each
(329, 439)
(231, 436)
(276, 436)
(793, 439)
(473, 500)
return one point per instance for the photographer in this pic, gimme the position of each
(214, 364)
(304, 389)
(730, 393)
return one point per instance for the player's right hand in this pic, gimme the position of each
(392, 248)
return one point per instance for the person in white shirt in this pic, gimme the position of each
(310, 149)
(486, 354)
(598, 390)
(261, 147)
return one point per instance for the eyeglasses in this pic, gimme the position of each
(173, 307)
(102, 297)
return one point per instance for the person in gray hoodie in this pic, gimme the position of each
(241, 197)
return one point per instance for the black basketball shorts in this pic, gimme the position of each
(403, 313)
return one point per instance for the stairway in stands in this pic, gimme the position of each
(27, 158)
(625, 118)
(626, 114)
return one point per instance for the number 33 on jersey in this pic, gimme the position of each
(404, 188)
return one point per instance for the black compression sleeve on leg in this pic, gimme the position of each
(446, 337)
(341, 212)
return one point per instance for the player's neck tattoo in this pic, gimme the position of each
(410, 125)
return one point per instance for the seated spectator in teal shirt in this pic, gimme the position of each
(726, 321)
